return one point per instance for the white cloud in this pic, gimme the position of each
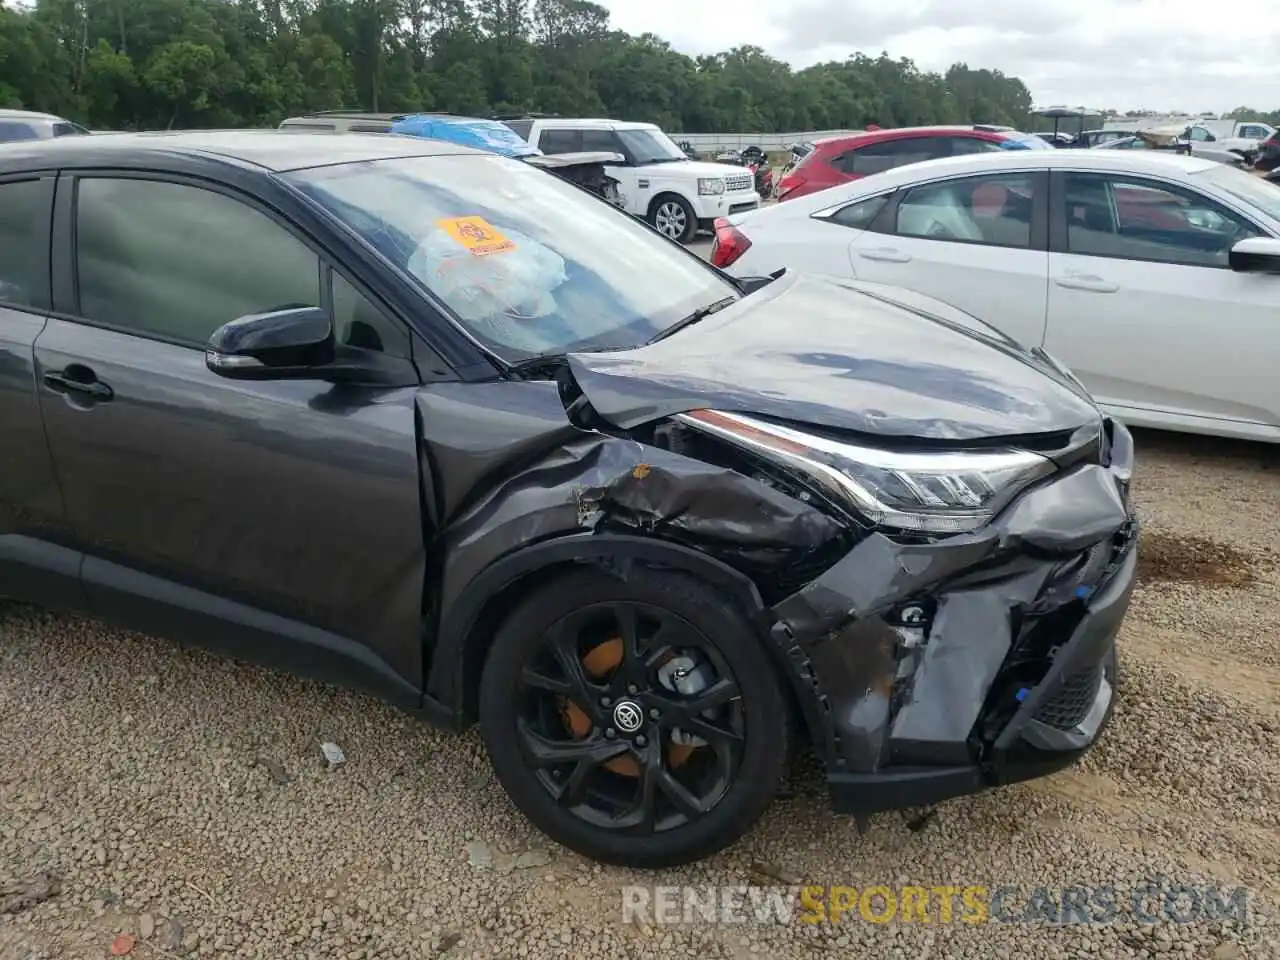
(1160, 54)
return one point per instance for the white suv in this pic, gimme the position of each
(657, 181)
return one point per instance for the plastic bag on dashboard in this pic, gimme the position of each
(498, 281)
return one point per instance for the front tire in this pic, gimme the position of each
(673, 217)
(639, 721)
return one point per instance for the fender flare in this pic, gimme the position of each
(668, 191)
(453, 661)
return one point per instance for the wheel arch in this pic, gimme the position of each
(467, 627)
(663, 194)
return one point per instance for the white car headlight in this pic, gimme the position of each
(710, 187)
(943, 492)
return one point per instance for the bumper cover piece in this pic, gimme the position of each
(917, 716)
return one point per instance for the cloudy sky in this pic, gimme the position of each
(1160, 54)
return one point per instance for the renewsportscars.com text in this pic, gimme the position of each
(1150, 903)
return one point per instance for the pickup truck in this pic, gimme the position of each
(1243, 137)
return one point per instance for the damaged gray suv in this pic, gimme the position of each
(428, 422)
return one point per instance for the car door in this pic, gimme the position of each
(1144, 307)
(975, 242)
(37, 562)
(286, 507)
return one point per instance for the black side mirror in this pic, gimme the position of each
(287, 344)
(1255, 255)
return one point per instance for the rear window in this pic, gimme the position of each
(887, 154)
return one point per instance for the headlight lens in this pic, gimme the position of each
(944, 492)
(710, 187)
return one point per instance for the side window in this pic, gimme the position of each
(23, 205)
(887, 154)
(1137, 220)
(960, 146)
(860, 215)
(520, 127)
(12, 130)
(605, 140)
(68, 129)
(994, 210)
(369, 128)
(560, 141)
(176, 261)
(358, 323)
(1200, 134)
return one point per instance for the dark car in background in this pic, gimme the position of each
(30, 125)
(424, 421)
(1268, 153)
(840, 159)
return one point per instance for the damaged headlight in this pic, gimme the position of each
(943, 492)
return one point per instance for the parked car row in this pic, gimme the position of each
(1152, 276)
(651, 176)
(420, 419)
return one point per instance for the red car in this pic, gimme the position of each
(841, 159)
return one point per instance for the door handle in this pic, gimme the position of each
(888, 254)
(1086, 281)
(78, 378)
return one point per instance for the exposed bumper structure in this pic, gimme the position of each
(945, 668)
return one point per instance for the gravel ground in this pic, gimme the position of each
(182, 799)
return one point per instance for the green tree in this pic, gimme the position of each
(121, 64)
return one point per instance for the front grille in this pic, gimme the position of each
(1070, 705)
(736, 182)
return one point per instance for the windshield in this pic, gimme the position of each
(650, 146)
(1252, 189)
(527, 263)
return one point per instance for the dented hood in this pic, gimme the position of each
(823, 352)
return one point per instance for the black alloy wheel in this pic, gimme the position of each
(638, 722)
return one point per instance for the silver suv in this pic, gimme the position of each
(27, 125)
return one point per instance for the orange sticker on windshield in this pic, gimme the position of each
(477, 234)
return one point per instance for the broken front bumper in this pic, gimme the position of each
(944, 668)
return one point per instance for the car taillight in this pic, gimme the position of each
(730, 244)
(788, 183)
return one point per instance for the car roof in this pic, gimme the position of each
(595, 122)
(274, 150)
(1137, 162)
(9, 114)
(1153, 162)
(891, 132)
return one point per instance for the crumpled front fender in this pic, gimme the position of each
(902, 642)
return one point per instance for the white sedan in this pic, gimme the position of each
(1155, 278)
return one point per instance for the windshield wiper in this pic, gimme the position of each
(700, 314)
(539, 361)
(556, 358)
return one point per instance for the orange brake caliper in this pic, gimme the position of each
(599, 662)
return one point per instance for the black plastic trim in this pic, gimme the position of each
(41, 573)
(448, 681)
(150, 604)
